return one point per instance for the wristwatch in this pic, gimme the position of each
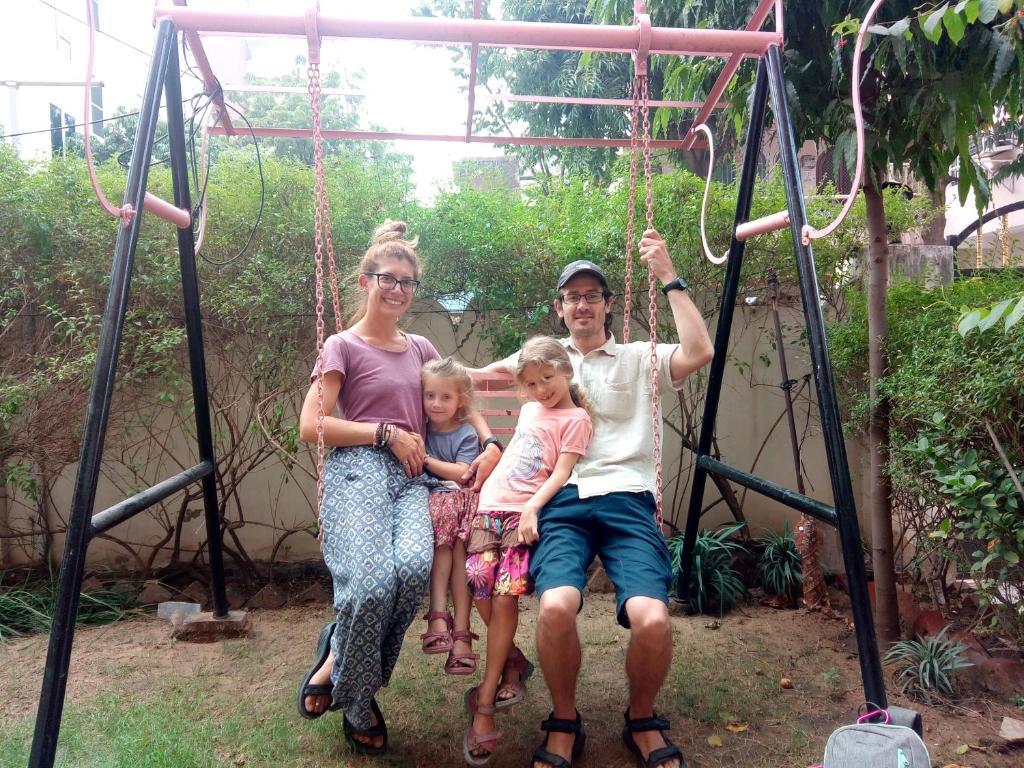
(492, 440)
(675, 285)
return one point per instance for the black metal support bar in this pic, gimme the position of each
(125, 510)
(725, 315)
(194, 329)
(807, 505)
(58, 657)
(957, 239)
(831, 426)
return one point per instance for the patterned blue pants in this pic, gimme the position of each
(378, 544)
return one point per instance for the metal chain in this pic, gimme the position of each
(652, 303)
(627, 293)
(320, 196)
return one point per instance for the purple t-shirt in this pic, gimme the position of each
(379, 385)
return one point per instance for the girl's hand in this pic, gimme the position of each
(528, 526)
(408, 448)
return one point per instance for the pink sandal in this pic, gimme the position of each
(437, 642)
(462, 663)
(472, 740)
(516, 663)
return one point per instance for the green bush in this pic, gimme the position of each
(780, 564)
(951, 490)
(715, 584)
(927, 667)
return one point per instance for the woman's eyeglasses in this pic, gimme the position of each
(388, 282)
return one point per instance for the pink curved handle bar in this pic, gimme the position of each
(152, 203)
(810, 233)
(780, 220)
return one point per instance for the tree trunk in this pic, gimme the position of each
(5, 530)
(880, 511)
(935, 234)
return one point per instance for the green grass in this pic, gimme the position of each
(176, 728)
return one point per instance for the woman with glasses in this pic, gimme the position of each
(376, 533)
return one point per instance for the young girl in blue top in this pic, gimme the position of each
(452, 444)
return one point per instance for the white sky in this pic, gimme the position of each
(409, 88)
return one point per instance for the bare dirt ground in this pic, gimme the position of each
(723, 694)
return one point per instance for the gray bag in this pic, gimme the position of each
(875, 745)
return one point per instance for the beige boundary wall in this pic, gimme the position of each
(752, 406)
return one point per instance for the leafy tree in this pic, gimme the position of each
(922, 101)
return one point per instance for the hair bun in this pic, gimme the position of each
(390, 230)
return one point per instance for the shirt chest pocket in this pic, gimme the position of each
(616, 399)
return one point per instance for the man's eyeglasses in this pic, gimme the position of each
(592, 297)
(388, 282)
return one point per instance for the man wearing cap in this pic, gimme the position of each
(608, 507)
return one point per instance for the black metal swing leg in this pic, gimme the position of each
(83, 526)
(843, 515)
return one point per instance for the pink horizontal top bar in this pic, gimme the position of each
(694, 42)
(544, 141)
(593, 101)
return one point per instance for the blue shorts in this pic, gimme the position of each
(618, 527)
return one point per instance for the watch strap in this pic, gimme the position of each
(679, 284)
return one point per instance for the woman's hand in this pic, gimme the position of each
(408, 448)
(528, 526)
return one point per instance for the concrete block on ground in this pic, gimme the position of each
(176, 612)
(206, 628)
(1012, 731)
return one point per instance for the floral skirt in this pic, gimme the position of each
(496, 564)
(450, 514)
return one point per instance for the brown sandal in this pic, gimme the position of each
(517, 663)
(472, 740)
(462, 663)
(437, 642)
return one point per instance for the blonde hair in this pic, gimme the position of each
(388, 242)
(545, 350)
(450, 369)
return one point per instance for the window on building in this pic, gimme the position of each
(56, 130)
(97, 109)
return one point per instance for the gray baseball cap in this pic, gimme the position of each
(581, 266)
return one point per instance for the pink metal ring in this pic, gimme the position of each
(313, 32)
(643, 46)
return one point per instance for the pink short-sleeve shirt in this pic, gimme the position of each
(378, 385)
(541, 436)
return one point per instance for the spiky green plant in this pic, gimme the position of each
(780, 565)
(714, 582)
(28, 608)
(928, 666)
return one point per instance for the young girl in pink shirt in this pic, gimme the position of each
(553, 432)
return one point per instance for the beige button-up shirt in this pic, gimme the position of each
(616, 378)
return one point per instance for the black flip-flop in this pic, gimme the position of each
(575, 727)
(657, 757)
(380, 729)
(323, 650)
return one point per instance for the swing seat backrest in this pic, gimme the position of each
(498, 401)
